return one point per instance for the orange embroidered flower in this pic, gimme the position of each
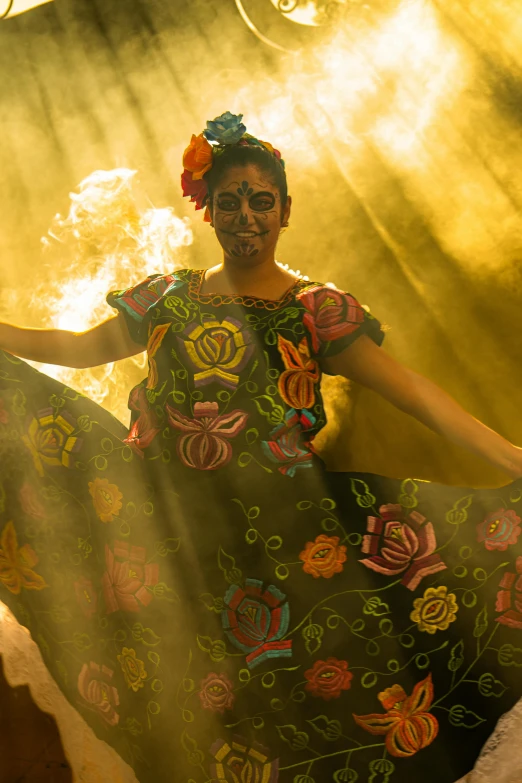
(297, 382)
(106, 499)
(16, 564)
(407, 724)
(323, 557)
(197, 158)
(153, 344)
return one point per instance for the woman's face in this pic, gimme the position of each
(247, 213)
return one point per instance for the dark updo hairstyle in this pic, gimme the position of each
(243, 155)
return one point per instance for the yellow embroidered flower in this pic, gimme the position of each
(133, 669)
(50, 440)
(435, 610)
(106, 499)
(16, 564)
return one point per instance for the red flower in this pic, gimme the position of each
(297, 383)
(205, 445)
(323, 557)
(397, 545)
(288, 444)
(407, 724)
(216, 693)
(195, 188)
(499, 530)
(331, 314)
(127, 578)
(509, 597)
(95, 686)
(86, 596)
(327, 679)
(145, 428)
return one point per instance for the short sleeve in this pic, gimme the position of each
(335, 319)
(136, 302)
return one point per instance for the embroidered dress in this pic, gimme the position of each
(214, 603)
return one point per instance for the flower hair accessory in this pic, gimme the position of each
(225, 130)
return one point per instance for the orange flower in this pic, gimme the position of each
(16, 564)
(407, 724)
(197, 158)
(106, 499)
(297, 383)
(154, 342)
(323, 557)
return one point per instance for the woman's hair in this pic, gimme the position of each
(243, 155)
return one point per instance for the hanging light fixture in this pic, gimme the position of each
(9, 8)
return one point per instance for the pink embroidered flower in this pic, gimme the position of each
(205, 442)
(127, 578)
(30, 502)
(397, 543)
(330, 314)
(509, 597)
(86, 596)
(96, 688)
(216, 693)
(499, 530)
(145, 428)
(288, 444)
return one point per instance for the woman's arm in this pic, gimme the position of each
(106, 342)
(365, 363)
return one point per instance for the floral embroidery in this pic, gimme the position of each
(16, 564)
(216, 693)
(509, 597)
(145, 428)
(205, 442)
(256, 620)
(323, 557)
(499, 530)
(396, 545)
(4, 415)
(242, 762)
(407, 724)
(30, 502)
(297, 383)
(133, 669)
(153, 346)
(435, 610)
(86, 596)
(217, 351)
(96, 688)
(286, 446)
(106, 499)
(327, 679)
(127, 578)
(330, 314)
(50, 440)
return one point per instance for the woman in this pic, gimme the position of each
(214, 603)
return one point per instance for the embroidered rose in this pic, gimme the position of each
(407, 724)
(323, 557)
(133, 669)
(330, 314)
(30, 502)
(297, 383)
(197, 157)
(96, 688)
(153, 346)
(327, 679)
(509, 597)
(287, 445)
(128, 577)
(106, 499)
(225, 129)
(435, 610)
(204, 444)
(216, 693)
(401, 544)
(86, 596)
(499, 530)
(255, 620)
(217, 351)
(50, 440)
(145, 428)
(239, 761)
(17, 564)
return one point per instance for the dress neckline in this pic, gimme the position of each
(197, 277)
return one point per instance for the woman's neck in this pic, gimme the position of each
(266, 280)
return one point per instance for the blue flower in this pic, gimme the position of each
(225, 129)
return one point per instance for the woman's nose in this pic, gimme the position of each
(243, 219)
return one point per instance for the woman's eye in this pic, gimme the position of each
(228, 204)
(262, 204)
